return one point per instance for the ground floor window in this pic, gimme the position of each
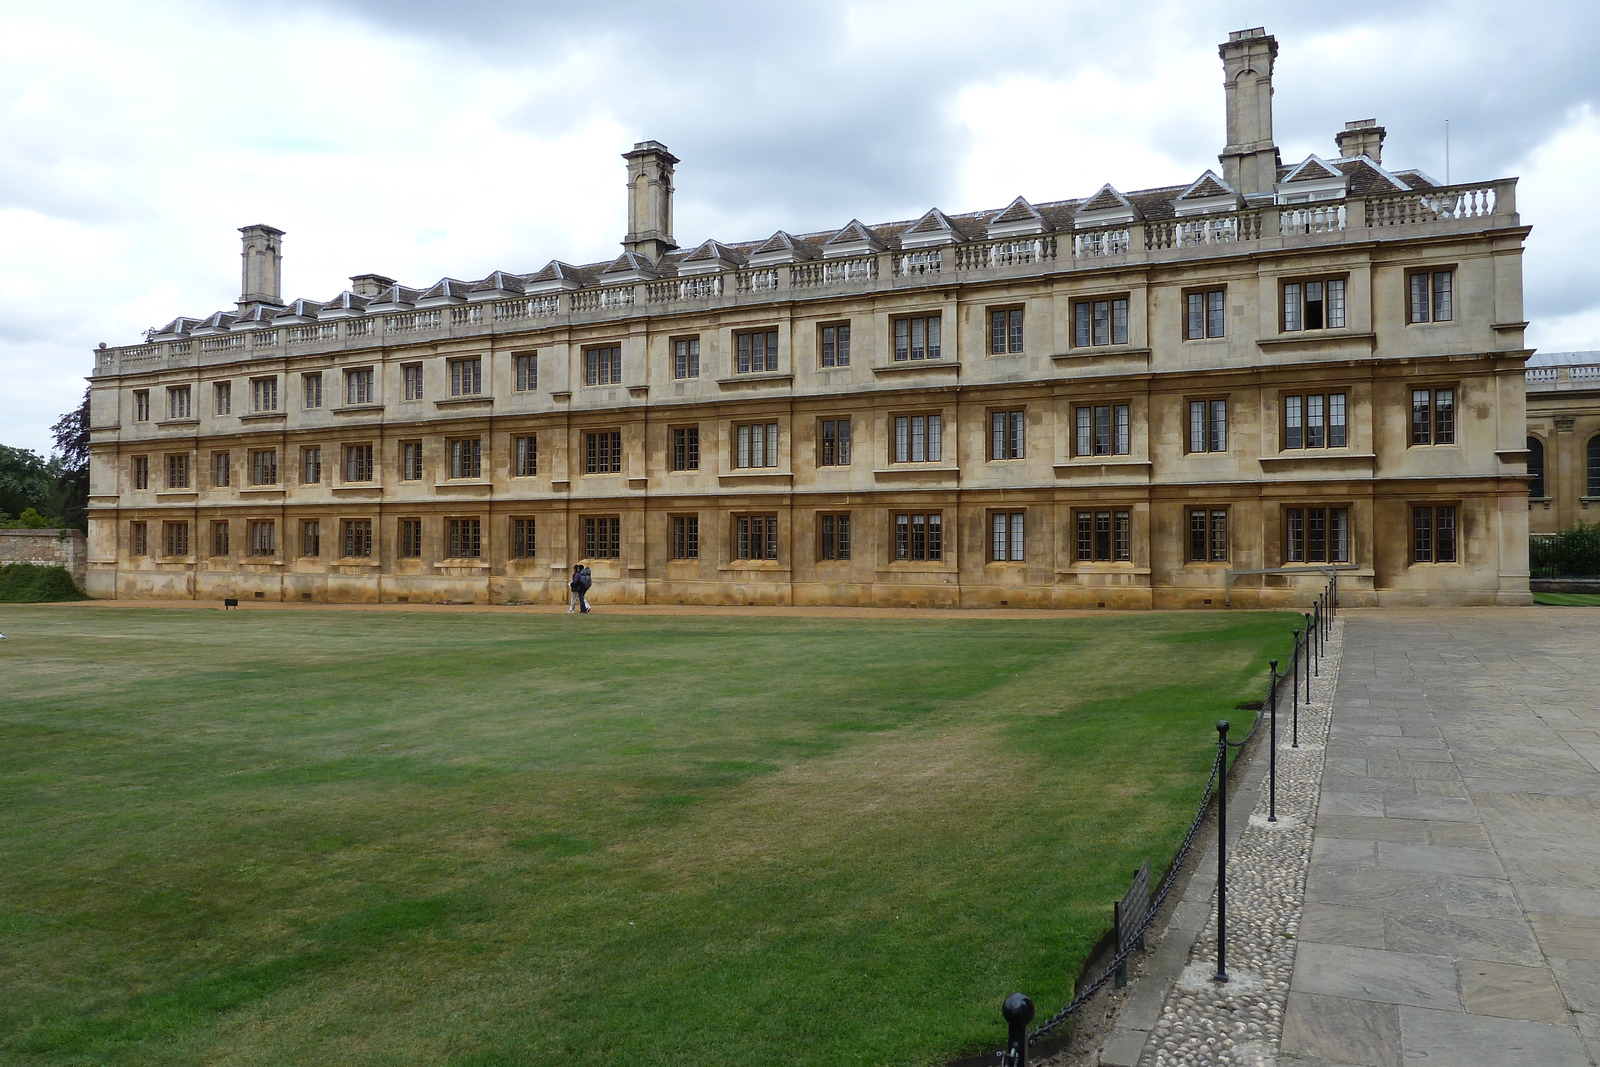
(1208, 535)
(522, 538)
(1433, 529)
(263, 538)
(466, 538)
(219, 538)
(311, 538)
(755, 537)
(1005, 536)
(410, 538)
(138, 543)
(358, 537)
(833, 536)
(1105, 536)
(685, 537)
(919, 535)
(1317, 535)
(602, 537)
(177, 538)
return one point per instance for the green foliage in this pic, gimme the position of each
(26, 481)
(28, 520)
(71, 461)
(362, 838)
(29, 583)
(1573, 553)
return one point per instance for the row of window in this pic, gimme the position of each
(1308, 304)
(1311, 420)
(1539, 488)
(1097, 535)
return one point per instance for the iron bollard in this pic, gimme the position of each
(1018, 1010)
(1311, 648)
(1295, 667)
(1222, 853)
(1272, 763)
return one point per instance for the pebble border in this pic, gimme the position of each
(1240, 1023)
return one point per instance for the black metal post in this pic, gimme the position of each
(1018, 1010)
(1222, 852)
(1296, 667)
(1272, 762)
(1311, 650)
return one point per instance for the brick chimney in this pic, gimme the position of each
(1363, 137)
(650, 200)
(1250, 159)
(263, 267)
(369, 285)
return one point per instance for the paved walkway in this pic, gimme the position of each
(1452, 911)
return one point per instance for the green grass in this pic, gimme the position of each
(301, 837)
(1568, 600)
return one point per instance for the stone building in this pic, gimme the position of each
(1120, 400)
(1563, 440)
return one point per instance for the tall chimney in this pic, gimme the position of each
(1363, 137)
(263, 267)
(1250, 159)
(650, 200)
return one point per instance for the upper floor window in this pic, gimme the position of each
(1432, 296)
(1317, 535)
(411, 461)
(140, 472)
(222, 470)
(1592, 481)
(1006, 434)
(466, 376)
(466, 457)
(917, 338)
(1005, 331)
(833, 443)
(686, 357)
(358, 463)
(264, 466)
(313, 389)
(141, 405)
(834, 338)
(179, 404)
(1433, 534)
(411, 378)
(527, 372)
(686, 448)
(263, 394)
(755, 537)
(1105, 536)
(602, 366)
(1536, 486)
(602, 452)
(1433, 416)
(1208, 426)
(1100, 322)
(1102, 430)
(919, 536)
(757, 350)
(755, 444)
(1208, 535)
(918, 438)
(1316, 304)
(1314, 420)
(311, 464)
(223, 392)
(178, 472)
(527, 456)
(358, 386)
(1204, 317)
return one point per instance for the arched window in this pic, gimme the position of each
(1594, 466)
(1536, 466)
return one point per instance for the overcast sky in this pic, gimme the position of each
(421, 139)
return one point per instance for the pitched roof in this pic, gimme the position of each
(1019, 210)
(448, 289)
(1206, 186)
(1313, 168)
(1106, 199)
(712, 249)
(345, 301)
(852, 232)
(300, 309)
(500, 282)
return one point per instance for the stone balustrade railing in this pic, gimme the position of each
(1041, 253)
(1581, 376)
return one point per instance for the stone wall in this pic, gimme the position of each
(61, 548)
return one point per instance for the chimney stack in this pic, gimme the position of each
(263, 267)
(1250, 159)
(369, 285)
(650, 200)
(1363, 137)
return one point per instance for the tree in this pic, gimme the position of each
(25, 482)
(71, 462)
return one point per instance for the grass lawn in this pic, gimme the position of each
(318, 837)
(1568, 600)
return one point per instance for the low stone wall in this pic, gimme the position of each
(47, 548)
(1564, 585)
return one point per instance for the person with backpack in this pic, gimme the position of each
(582, 579)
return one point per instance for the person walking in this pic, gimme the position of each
(576, 588)
(585, 580)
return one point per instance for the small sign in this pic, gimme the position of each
(1131, 912)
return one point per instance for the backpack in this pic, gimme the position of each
(583, 581)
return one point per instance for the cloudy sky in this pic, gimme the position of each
(421, 139)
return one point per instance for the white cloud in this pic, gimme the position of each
(1561, 273)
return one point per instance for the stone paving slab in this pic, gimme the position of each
(1452, 911)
